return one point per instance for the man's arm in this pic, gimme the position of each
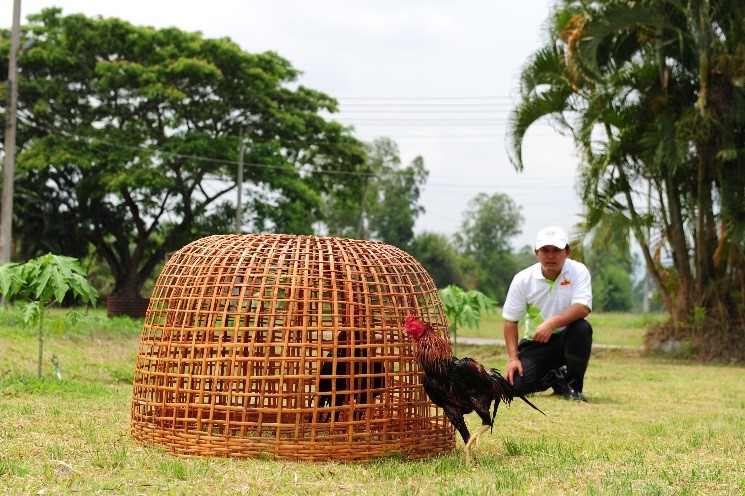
(510, 338)
(513, 362)
(573, 312)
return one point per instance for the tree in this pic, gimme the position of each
(611, 268)
(394, 205)
(130, 142)
(387, 204)
(40, 283)
(612, 290)
(611, 276)
(652, 92)
(525, 256)
(489, 223)
(438, 255)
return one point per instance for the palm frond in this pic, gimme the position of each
(546, 92)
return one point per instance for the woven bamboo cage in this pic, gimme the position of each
(290, 347)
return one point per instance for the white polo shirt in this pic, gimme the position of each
(533, 296)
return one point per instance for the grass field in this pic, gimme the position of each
(653, 426)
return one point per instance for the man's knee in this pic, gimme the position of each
(527, 385)
(578, 338)
(580, 328)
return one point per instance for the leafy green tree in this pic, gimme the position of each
(40, 283)
(393, 215)
(611, 269)
(612, 284)
(439, 256)
(652, 93)
(489, 222)
(524, 257)
(387, 204)
(612, 290)
(130, 140)
(464, 308)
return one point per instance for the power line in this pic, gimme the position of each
(427, 111)
(417, 98)
(414, 111)
(550, 185)
(464, 106)
(365, 137)
(100, 141)
(423, 120)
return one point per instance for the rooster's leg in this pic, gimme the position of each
(473, 440)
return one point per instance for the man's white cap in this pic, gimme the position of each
(551, 235)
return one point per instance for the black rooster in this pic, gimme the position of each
(459, 386)
(335, 381)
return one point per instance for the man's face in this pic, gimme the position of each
(552, 258)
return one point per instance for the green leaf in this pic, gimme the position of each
(10, 280)
(47, 283)
(82, 288)
(32, 314)
(74, 317)
(464, 308)
(48, 279)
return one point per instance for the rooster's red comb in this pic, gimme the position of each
(414, 326)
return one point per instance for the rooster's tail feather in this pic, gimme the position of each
(508, 392)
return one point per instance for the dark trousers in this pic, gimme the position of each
(570, 347)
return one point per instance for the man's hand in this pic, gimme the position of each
(513, 365)
(543, 332)
(573, 312)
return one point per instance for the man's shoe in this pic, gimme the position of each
(559, 386)
(575, 396)
(569, 393)
(555, 380)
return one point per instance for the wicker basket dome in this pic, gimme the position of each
(287, 346)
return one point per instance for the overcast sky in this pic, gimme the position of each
(438, 77)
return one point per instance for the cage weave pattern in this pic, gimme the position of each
(287, 346)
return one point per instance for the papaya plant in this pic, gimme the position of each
(464, 308)
(40, 283)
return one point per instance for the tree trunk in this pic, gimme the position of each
(126, 299)
(125, 305)
(644, 242)
(41, 351)
(703, 200)
(680, 252)
(130, 285)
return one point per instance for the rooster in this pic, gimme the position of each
(331, 387)
(459, 386)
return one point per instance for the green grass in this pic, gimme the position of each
(609, 328)
(653, 426)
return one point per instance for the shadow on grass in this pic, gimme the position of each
(592, 399)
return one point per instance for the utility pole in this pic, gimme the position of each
(239, 201)
(6, 205)
(361, 231)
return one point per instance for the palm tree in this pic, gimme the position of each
(654, 95)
